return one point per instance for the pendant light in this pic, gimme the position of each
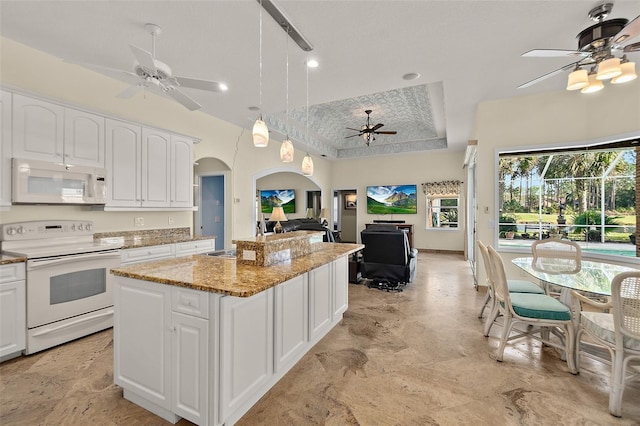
(578, 79)
(594, 85)
(608, 69)
(260, 130)
(628, 72)
(286, 149)
(307, 162)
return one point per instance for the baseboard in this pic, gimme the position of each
(441, 251)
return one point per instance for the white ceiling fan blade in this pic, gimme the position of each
(144, 58)
(633, 47)
(130, 91)
(114, 71)
(547, 75)
(631, 30)
(185, 100)
(553, 53)
(194, 83)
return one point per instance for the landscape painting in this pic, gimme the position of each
(392, 199)
(270, 198)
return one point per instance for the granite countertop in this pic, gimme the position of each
(146, 238)
(6, 259)
(224, 275)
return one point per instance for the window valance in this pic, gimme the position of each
(445, 188)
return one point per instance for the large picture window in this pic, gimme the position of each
(585, 194)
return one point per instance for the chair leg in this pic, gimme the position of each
(570, 353)
(506, 331)
(484, 304)
(616, 384)
(491, 318)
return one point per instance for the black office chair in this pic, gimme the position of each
(387, 259)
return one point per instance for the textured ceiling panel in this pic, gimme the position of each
(411, 111)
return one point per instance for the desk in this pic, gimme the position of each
(594, 277)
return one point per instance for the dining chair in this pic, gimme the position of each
(566, 257)
(618, 332)
(540, 311)
(515, 286)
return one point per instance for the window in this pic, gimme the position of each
(584, 194)
(442, 212)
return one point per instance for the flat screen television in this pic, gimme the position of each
(270, 198)
(392, 199)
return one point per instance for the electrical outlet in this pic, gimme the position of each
(139, 221)
(170, 220)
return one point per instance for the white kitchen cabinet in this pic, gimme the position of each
(246, 352)
(13, 323)
(161, 357)
(83, 138)
(5, 148)
(340, 290)
(195, 247)
(38, 129)
(291, 310)
(51, 132)
(181, 185)
(147, 254)
(155, 168)
(320, 302)
(123, 157)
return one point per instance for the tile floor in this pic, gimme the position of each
(412, 358)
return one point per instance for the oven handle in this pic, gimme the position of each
(41, 263)
(78, 321)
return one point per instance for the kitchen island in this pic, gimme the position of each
(205, 337)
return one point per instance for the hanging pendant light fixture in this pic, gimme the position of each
(594, 85)
(286, 149)
(578, 79)
(307, 162)
(260, 129)
(628, 72)
(608, 69)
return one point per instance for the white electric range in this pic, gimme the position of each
(69, 287)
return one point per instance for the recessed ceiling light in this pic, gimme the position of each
(312, 63)
(411, 76)
(254, 108)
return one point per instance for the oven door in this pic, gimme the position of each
(65, 286)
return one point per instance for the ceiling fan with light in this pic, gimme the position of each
(151, 73)
(602, 52)
(368, 132)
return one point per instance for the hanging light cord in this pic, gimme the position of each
(287, 112)
(307, 68)
(260, 78)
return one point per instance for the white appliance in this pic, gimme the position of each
(42, 182)
(69, 287)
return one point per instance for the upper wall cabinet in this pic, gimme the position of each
(147, 167)
(50, 132)
(5, 148)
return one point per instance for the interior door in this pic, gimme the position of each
(212, 208)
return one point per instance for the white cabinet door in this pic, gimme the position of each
(195, 247)
(5, 148)
(246, 350)
(181, 172)
(320, 302)
(38, 129)
(190, 360)
(123, 160)
(291, 322)
(155, 168)
(340, 289)
(83, 138)
(13, 323)
(142, 340)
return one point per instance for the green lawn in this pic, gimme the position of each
(628, 220)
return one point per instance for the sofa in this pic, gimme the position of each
(387, 256)
(303, 224)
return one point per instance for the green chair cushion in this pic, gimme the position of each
(601, 325)
(522, 286)
(539, 306)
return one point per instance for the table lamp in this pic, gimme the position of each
(278, 215)
(323, 217)
(310, 213)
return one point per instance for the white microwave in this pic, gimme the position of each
(42, 182)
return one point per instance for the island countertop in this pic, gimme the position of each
(226, 276)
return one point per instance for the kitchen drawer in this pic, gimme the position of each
(12, 272)
(190, 302)
(194, 247)
(144, 254)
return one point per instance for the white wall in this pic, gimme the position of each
(404, 169)
(559, 118)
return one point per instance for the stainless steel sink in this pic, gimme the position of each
(231, 254)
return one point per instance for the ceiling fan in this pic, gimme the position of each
(368, 132)
(600, 42)
(150, 73)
